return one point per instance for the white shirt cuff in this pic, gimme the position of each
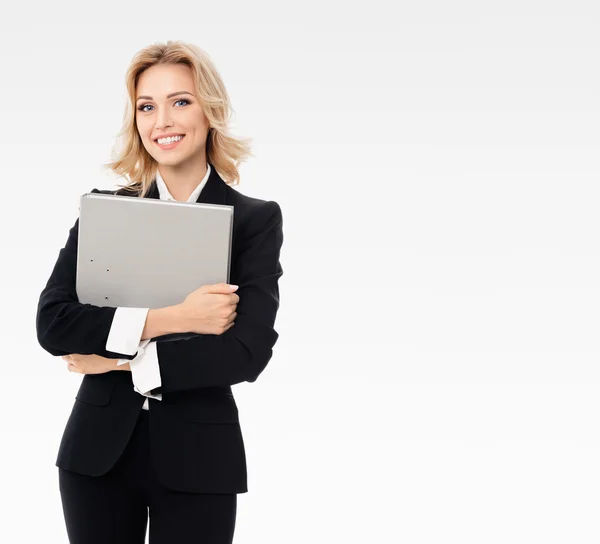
(126, 330)
(145, 370)
(140, 350)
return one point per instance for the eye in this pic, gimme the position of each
(141, 108)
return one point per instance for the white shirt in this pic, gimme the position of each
(128, 324)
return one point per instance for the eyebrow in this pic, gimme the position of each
(168, 96)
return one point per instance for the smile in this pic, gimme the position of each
(169, 143)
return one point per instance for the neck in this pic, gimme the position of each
(182, 179)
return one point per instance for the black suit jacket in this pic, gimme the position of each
(196, 439)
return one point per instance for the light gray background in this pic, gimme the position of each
(436, 378)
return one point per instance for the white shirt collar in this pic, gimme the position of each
(164, 193)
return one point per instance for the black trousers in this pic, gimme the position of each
(114, 508)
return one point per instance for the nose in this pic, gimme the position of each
(163, 119)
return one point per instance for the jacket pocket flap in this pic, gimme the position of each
(95, 389)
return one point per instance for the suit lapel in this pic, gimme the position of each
(214, 192)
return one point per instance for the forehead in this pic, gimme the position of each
(162, 79)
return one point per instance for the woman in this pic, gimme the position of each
(154, 431)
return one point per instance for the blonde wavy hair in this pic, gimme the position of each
(223, 151)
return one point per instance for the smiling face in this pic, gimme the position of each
(166, 105)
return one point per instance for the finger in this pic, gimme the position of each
(219, 288)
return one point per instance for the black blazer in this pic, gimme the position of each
(196, 439)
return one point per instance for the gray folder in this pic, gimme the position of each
(149, 253)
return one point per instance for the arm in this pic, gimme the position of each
(132, 325)
(65, 326)
(243, 351)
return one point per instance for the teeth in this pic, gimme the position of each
(165, 141)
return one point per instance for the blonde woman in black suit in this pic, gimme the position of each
(154, 431)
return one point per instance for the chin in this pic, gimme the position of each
(171, 161)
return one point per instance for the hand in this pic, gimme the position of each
(91, 364)
(210, 309)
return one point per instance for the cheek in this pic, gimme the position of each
(143, 129)
(145, 136)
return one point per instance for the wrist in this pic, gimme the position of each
(162, 321)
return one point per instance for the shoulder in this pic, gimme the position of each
(253, 206)
(254, 213)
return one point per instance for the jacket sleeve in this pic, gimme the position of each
(243, 351)
(63, 324)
